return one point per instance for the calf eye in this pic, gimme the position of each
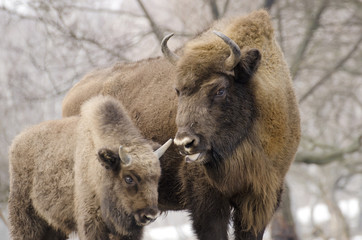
(220, 92)
(128, 180)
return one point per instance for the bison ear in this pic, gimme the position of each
(247, 66)
(109, 159)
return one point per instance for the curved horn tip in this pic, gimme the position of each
(169, 142)
(166, 38)
(235, 54)
(169, 55)
(220, 34)
(159, 152)
(125, 159)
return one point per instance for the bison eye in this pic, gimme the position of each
(221, 92)
(129, 180)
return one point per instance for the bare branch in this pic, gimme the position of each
(92, 41)
(332, 70)
(66, 31)
(280, 26)
(336, 155)
(156, 30)
(214, 9)
(268, 4)
(4, 219)
(283, 226)
(14, 13)
(102, 10)
(312, 27)
(225, 8)
(333, 208)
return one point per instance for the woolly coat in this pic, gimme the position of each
(257, 168)
(57, 180)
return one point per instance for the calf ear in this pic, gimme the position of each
(247, 66)
(109, 159)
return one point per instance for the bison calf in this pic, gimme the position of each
(94, 174)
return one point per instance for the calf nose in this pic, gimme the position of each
(186, 141)
(148, 215)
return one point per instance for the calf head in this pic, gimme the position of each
(129, 190)
(215, 97)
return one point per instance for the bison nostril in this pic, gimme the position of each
(186, 141)
(148, 218)
(190, 144)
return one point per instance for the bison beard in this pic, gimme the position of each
(116, 216)
(237, 110)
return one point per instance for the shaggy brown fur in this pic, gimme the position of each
(66, 175)
(250, 135)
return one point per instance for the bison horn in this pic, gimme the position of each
(169, 55)
(235, 54)
(125, 158)
(159, 152)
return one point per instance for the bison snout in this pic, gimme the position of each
(186, 142)
(146, 216)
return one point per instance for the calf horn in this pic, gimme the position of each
(159, 152)
(169, 55)
(235, 54)
(125, 158)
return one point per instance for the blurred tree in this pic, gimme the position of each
(268, 4)
(283, 224)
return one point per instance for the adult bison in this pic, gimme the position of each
(93, 174)
(236, 117)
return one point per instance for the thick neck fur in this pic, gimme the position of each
(246, 171)
(116, 218)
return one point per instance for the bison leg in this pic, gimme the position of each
(131, 237)
(239, 230)
(210, 213)
(24, 222)
(53, 234)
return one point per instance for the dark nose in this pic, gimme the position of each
(186, 141)
(148, 215)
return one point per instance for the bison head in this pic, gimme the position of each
(129, 191)
(215, 97)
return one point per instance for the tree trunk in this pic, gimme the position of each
(282, 225)
(268, 4)
(214, 10)
(2, 217)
